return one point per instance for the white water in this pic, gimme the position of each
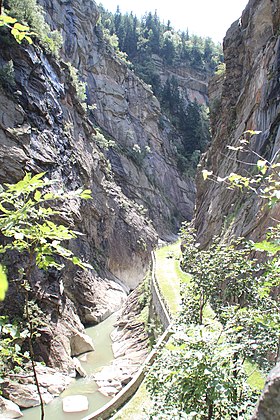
(102, 356)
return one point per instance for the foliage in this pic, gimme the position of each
(28, 227)
(146, 43)
(102, 141)
(265, 182)
(19, 31)
(198, 376)
(27, 222)
(3, 283)
(7, 77)
(77, 83)
(229, 316)
(30, 13)
(11, 337)
(140, 39)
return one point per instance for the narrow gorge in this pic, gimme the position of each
(82, 115)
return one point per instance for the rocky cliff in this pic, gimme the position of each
(245, 97)
(144, 157)
(137, 190)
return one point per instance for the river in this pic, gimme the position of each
(102, 356)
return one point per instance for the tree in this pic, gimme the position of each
(28, 227)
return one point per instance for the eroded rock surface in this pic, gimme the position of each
(21, 388)
(246, 97)
(129, 113)
(269, 404)
(9, 410)
(130, 348)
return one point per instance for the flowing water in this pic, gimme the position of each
(91, 362)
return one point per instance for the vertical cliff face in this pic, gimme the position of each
(144, 157)
(43, 127)
(246, 97)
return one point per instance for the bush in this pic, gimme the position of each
(30, 13)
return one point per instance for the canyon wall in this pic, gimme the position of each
(245, 97)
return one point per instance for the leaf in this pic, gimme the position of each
(48, 196)
(262, 166)
(86, 194)
(270, 247)
(21, 27)
(206, 174)
(28, 39)
(37, 196)
(252, 132)
(7, 19)
(3, 283)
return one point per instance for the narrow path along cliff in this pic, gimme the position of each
(169, 277)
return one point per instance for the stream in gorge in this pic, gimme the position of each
(102, 356)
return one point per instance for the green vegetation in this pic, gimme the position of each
(7, 77)
(137, 405)
(19, 31)
(28, 227)
(167, 276)
(201, 372)
(141, 44)
(227, 337)
(141, 38)
(31, 15)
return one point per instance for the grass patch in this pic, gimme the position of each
(169, 275)
(135, 406)
(256, 379)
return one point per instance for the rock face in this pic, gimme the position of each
(246, 97)
(43, 127)
(21, 389)
(143, 159)
(130, 348)
(193, 84)
(9, 410)
(269, 404)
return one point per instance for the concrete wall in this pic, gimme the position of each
(160, 306)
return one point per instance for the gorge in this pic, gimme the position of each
(119, 142)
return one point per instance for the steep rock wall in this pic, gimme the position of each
(193, 84)
(144, 159)
(44, 128)
(246, 97)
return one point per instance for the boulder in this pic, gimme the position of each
(21, 389)
(24, 395)
(81, 371)
(80, 343)
(75, 404)
(268, 407)
(9, 410)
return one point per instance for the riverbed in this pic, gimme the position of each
(91, 362)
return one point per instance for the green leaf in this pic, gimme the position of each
(28, 39)
(3, 283)
(206, 174)
(7, 19)
(262, 166)
(37, 195)
(21, 27)
(86, 194)
(252, 132)
(270, 247)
